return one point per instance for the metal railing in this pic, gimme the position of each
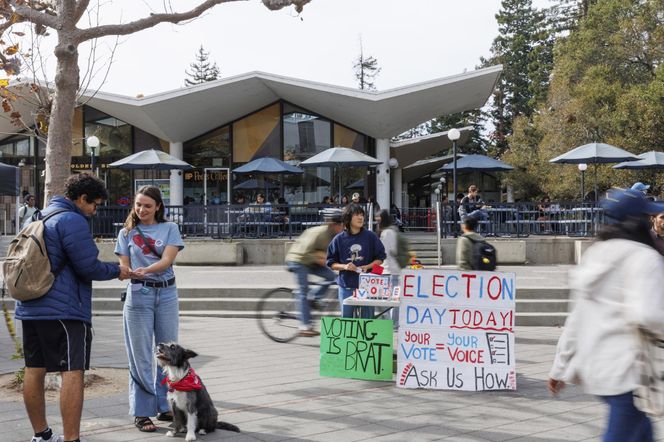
(254, 221)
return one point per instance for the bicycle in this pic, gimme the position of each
(279, 311)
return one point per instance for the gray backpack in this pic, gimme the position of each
(27, 269)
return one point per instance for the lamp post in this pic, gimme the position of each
(582, 168)
(93, 143)
(454, 135)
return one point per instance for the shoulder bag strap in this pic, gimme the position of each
(147, 243)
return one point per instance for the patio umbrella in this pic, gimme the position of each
(340, 156)
(648, 160)
(477, 162)
(595, 153)
(254, 184)
(268, 165)
(151, 159)
(359, 184)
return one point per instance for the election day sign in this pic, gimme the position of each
(356, 348)
(456, 330)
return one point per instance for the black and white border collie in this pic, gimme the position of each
(193, 409)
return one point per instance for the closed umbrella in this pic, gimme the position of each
(595, 153)
(338, 157)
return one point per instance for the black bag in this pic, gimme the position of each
(483, 255)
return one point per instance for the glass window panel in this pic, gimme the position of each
(23, 147)
(210, 150)
(349, 138)
(258, 135)
(7, 150)
(305, 134)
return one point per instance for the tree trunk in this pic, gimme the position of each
(59, 143)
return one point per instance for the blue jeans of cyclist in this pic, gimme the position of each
(302, 273)
(626, 422)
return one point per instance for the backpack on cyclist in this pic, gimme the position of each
(403, 249)
(27, 269)
(483, 255)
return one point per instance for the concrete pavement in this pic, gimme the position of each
(273, 392)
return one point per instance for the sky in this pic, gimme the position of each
(413, 41)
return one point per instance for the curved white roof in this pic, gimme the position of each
(183, 114)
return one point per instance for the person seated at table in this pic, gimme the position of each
(544, 214)
(261, 209)
(472, 205)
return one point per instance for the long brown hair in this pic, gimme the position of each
(152, 192)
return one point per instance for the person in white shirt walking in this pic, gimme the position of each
(618, 291)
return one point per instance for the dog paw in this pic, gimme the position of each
(189, 437)
(203, 432)
(171, 433)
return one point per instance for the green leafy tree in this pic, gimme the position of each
(607, 86)
(524, 48)
(477, 143)
(201, 69)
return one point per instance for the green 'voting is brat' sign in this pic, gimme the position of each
(356, 348)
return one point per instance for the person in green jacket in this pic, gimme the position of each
(307, 256)
(464, 246)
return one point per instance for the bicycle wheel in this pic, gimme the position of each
(278, 315)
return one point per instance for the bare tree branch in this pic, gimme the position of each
(33, 15)
(81, 6)
(145, 23)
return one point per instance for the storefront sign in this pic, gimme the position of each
(456, 330)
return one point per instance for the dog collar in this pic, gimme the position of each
(190, 382)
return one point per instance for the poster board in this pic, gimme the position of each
(456, 330)
(374, 286)
(356, 348)
(164, 186)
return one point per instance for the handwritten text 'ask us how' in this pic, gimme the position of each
(458, 286)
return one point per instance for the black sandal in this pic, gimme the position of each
(144, 423)
(165, 417)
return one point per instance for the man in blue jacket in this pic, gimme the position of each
(57, 331)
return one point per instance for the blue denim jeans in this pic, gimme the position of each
(347, 310)
(626, 422)
(150, 317)
(302, 273)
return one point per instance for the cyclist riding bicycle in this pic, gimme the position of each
(307, 256)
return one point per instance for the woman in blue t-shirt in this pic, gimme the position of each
(353, 251)
(148, 244)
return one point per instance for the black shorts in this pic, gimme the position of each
(57, 345)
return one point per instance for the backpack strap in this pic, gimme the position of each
(147, 243)
(36, 217)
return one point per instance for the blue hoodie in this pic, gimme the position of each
(360, 249)
(68, 241)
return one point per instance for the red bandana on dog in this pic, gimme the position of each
(190, 382)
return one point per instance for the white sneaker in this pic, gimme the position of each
(54, 438)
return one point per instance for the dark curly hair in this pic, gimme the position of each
(85, 184)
